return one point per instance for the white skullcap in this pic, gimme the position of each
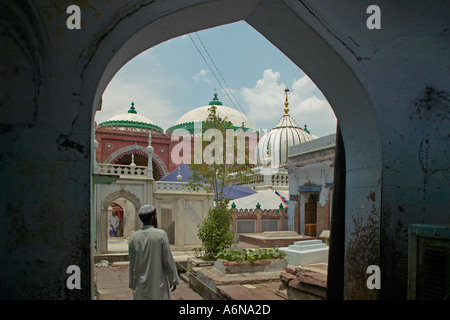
(147, 209)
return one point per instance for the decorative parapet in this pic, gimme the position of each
(172, 186)
(258, 214)
(263, 212)
(280, 179)
(123, 170)
(168, 186)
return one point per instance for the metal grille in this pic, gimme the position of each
(245, 226)
(435, 272)
(269, 225)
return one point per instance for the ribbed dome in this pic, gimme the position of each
(131, 120)
(200, 114)
(275, 144)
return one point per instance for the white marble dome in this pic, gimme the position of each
(130, 120)
(275, 143)
(200, 114)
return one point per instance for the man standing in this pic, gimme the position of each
(152, 268)
(113, 223)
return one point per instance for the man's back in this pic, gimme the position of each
(152, 268)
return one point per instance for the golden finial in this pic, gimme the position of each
(286, 109)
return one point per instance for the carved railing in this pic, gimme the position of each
(171, 186)
(122, 169)
(280, 179)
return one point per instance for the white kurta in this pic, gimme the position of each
(152, 268)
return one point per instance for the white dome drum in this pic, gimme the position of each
(200, 114)
(130, 120)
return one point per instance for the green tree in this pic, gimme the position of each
(214, 174)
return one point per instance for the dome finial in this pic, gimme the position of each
(286, 109)
(306, 129)
(132, 110)
(215, 101)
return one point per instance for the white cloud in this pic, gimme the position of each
(266, 102)
(147, 96)
(266, 97)
(202, 75)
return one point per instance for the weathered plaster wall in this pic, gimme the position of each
(389, 89)
(404, 69)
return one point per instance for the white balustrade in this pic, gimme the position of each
(122, 169)
(170, 186)
(280, 179)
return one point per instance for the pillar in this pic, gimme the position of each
(281, 211)
(258, 218)
(150, 151)
(233, 215)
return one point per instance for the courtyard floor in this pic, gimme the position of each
(111, 280)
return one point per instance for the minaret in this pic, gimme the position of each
(179, 176)
(150, 150)
(132, 164)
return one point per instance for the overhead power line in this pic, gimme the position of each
(226, 89)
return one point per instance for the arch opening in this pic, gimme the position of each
(284, 26)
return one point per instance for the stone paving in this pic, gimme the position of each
(111, 283)
(259, 291)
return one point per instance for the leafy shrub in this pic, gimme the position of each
(215, 231)
(251, 254)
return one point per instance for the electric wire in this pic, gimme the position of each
(220, 74)
(214, 74)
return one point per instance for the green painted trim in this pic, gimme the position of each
(132, 124)
(98, 178)
(189, 126)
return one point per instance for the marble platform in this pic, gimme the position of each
(272, 238)
(306, 252)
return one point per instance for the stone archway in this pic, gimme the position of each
(157, 161)
(389, 89)
(288, 26)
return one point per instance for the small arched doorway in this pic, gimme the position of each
(115, 220)
(311, 215)
(124, 206)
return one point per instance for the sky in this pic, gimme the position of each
(247, 71)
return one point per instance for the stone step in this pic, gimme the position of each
(308, 247)
(295, 257)
(307, 242)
